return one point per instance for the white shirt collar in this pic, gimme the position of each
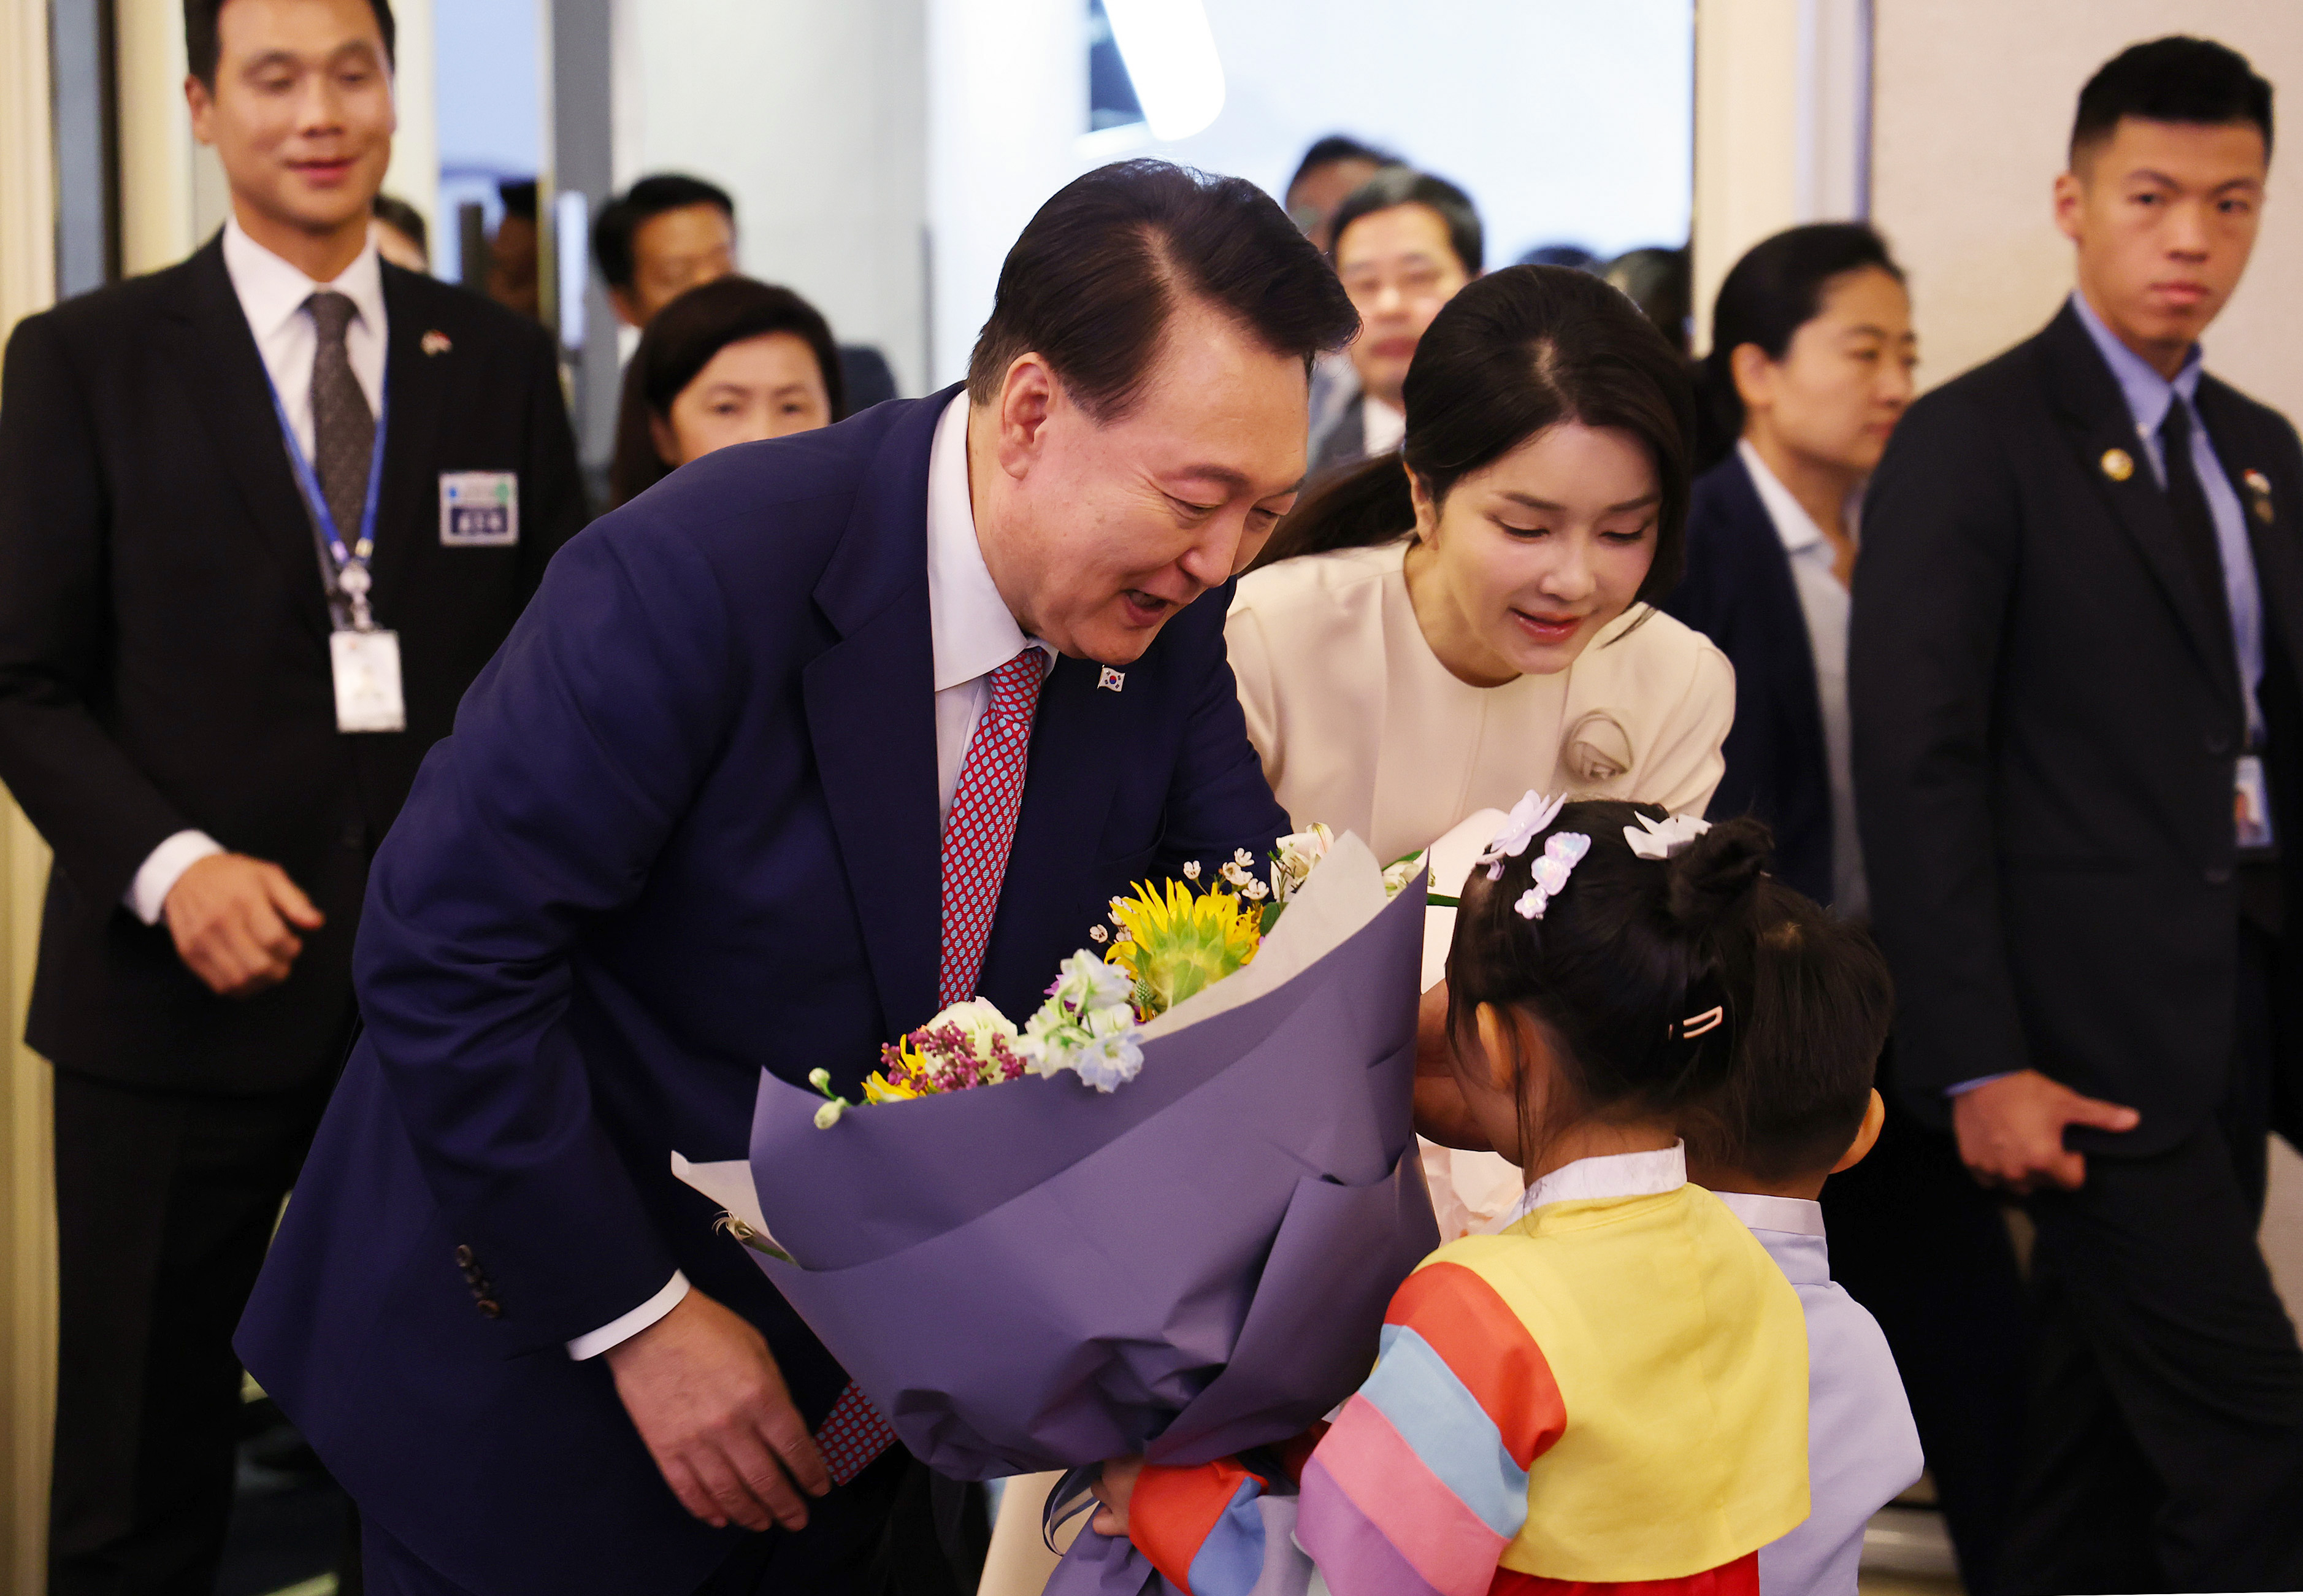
(1793, 524)
(1617, 1175)
(1794, 1216)
(973, 631)
(271, 291)
(1382, 426)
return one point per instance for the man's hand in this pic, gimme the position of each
(1115, 1490)
(706, 1397)
(1441, 1113)
(2011, 1131)
(235, 919)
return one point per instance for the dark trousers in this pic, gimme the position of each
(164, 1205)
(2166, 1448)
(1920, 1244)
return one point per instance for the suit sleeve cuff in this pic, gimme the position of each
(618, 1331)
(157, 877)
(1964, 1088)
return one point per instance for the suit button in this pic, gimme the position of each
(2218, 743)
(2218, 875)
(490, 1308)
(463, 1257)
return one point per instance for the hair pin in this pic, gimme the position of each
(1699, 1025)
(1661, 839)
(1522, 826)
(1562, 852)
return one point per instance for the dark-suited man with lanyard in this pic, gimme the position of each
(815, 735)
(263, 517)
(2078, 617)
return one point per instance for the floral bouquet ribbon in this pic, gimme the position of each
(1042, 1276)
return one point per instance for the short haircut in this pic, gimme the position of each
(1333, 151)
(203, 47)
(680, 342)
(519, 197)
(1395, 186)
(2177, 79)
(1099, 272)
(397, 214)
(622, 217)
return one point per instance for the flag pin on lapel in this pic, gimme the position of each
(1111, 680)
(436, 342)
(2258, 491)
(2117, 464)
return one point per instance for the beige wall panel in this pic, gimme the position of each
(1971, 110)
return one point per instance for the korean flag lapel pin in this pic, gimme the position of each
(1111, 680)
(436, 342)
(2259, 494)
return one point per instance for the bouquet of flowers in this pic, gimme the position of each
(1186, 1267)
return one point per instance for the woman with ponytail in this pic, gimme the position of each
(1452, 624)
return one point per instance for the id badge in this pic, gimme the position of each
(2251, 806)
(479, 510)
(367, 681)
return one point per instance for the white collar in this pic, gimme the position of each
(1382, 426)
(973, 631)
(1793, 524)
(1794, 1216)
(271, 291)
(1617, 1175)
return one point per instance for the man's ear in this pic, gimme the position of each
(1867, 1135)
(197, 97)
(2070, 196)
(1028, 396)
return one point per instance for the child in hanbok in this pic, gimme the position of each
(1613, 1390)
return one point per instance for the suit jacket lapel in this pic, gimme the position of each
(2102, 428)
(2278, 549)
(871, 715)
(231, 393)
(416, 391)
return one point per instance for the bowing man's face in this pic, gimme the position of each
(301, 113)
(1096, 532)
(2165, 214)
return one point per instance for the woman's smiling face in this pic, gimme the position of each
(1530, 557)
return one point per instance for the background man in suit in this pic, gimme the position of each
(169, 721)
(2077, 621)
(774, 766)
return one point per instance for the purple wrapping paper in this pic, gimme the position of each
(1034, 1275)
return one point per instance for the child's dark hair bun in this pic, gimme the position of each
(1715, 873)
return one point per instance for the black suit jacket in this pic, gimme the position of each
(2046, 711)
(1738, 592)
(163, 637)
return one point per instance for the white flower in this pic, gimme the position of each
(1242, 858)
(829, 1114)
(1109, 1061)
(1097, 935)
(1256, 892)
(1399, 873)
(1522, 826)
(1191, 870)
(1663, 838)
(1294, 855)
(980, 1019)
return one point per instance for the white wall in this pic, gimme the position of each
(813, 115)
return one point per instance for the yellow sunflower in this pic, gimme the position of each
(1178, 941)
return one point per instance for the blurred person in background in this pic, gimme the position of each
(401, 235)
(1573, 256)
(512, 253)
(1325, 178)
(730, 362)
(1660, 283)
(1407, 242)
(1810, 369)
(2079, 761)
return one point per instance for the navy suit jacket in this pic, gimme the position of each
(1738, 592)
(686, 829)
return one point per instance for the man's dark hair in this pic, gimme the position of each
(396, 213)
(1095, 276)
(519, 197)
(622, 217)
(203, 49)
(1395, 186)
(1333, 151)
(2177, 79)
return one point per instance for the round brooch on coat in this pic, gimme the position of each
(2117, 464)
(1597, 750)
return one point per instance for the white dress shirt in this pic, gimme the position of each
(1383, 427)
(973, 634)
(1863, 1449)
(272, 294)
(1824, 600)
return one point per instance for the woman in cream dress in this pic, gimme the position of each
(1452, 626)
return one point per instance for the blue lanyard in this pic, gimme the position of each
(356, 557)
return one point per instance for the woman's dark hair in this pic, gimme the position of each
(1516, 352)
(1094, 276)
(1627, 962)
(1777, 289)
(680, 342)
(2177, 79)
(1395, 186)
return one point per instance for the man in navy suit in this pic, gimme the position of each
(729, 800)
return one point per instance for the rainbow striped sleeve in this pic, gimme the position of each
(1202, 1527)
(1422, 1482)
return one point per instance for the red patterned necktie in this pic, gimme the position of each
(976, 839)
(981, 826)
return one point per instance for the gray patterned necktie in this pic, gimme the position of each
(343, 428)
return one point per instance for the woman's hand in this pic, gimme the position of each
(1115, 1490)
(1441, 1115)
